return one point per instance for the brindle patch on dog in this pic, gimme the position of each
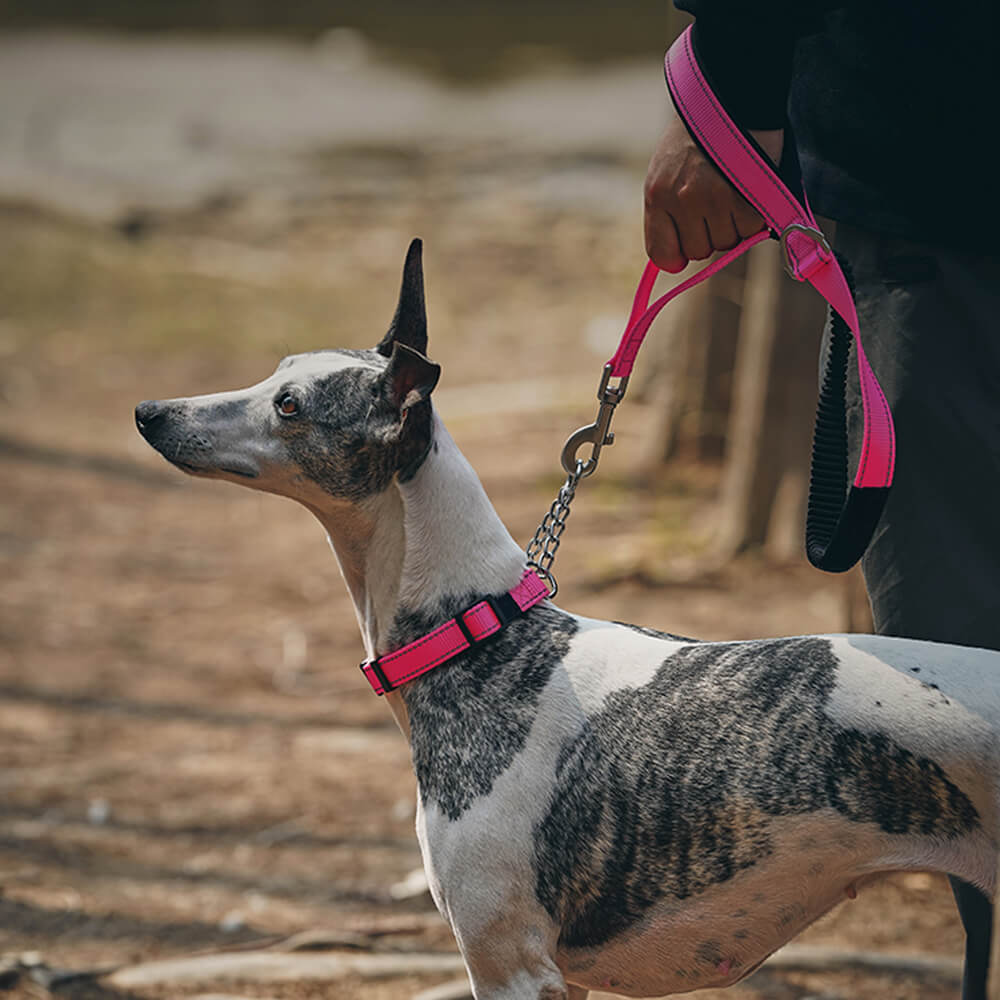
(471, 718)
(671, 788)
(350, 444)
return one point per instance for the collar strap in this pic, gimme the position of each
(470, 628)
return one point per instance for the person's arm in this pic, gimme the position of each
(745, 50)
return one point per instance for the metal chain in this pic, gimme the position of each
(542, 550)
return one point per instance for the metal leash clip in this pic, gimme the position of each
(598, 434)
(542, 550)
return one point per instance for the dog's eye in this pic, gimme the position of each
(287, 405)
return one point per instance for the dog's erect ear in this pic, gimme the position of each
(409, 325)
(410, 377)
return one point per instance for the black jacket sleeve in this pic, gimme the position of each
(745, 48)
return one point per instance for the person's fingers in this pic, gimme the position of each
(746, 218)
(693, 233)
(722, 231)
(690, 208)
(663, 246)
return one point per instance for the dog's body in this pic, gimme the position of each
(603, 806)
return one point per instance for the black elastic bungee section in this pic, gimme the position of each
(840, 522)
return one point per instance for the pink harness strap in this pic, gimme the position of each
(472, 626)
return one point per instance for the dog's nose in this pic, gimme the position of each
(148, 414)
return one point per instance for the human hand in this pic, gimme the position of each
(691, 209)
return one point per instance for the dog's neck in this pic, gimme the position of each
(422, 550)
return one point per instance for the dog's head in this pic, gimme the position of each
(329, 424)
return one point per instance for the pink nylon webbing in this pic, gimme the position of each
(449, 639)
(643, 314)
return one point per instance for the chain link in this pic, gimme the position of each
(542, 550)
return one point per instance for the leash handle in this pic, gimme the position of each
(808, 256)
(840, 521)
(642, 315)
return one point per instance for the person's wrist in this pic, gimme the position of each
(771, 140)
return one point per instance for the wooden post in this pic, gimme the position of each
(689, 370)
(765, 480)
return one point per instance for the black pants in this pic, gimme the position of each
(930, 324)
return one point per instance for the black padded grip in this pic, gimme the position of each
(840, 522)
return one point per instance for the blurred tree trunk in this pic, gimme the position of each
(734, 374)
(689, 379)
(766, 471)
(734, 377)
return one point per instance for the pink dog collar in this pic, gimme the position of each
(455, 636)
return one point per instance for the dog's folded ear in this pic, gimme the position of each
(410, 377)
(409, 325)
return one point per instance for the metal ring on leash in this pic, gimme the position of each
(542, 550)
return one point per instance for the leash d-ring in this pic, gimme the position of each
(808, 231)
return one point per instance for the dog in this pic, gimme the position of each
(603, 806)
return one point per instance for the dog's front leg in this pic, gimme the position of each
(523, 985)
(515, 967)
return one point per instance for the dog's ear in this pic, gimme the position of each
(410, 377)
(409, 325)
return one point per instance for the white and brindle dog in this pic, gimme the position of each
(603, 806)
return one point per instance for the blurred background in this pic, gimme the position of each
(188, 192)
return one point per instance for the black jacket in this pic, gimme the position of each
(893, 104)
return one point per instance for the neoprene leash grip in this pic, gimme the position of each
(840, 521)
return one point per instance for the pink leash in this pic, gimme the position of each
(839, 521)
(808, 256)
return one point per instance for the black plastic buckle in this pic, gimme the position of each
(376, 669)
(459, 620)
(504, 607)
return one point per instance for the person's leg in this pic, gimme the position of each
(930, 323)
(976, 912)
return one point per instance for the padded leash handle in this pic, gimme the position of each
(840, 521)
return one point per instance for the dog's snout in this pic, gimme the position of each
(148, 414)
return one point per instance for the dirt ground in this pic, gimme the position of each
(186, 742)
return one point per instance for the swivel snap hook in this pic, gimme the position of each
(598, 434)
